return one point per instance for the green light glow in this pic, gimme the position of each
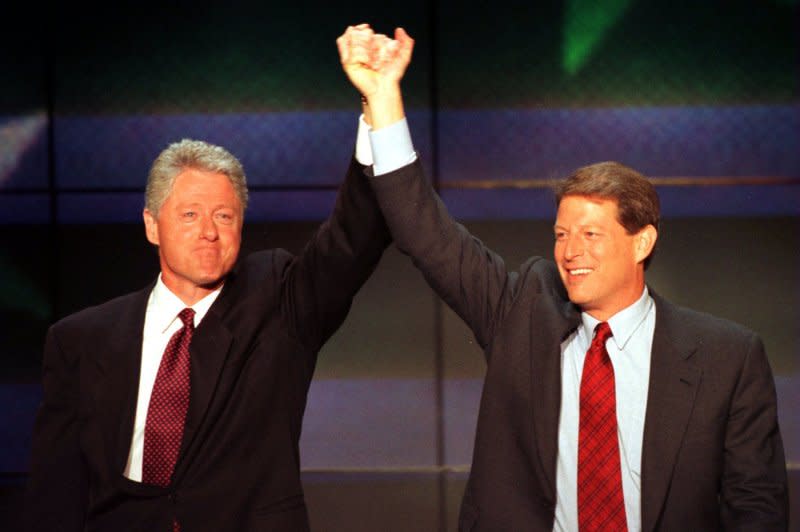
(17, 292)
(585, 24)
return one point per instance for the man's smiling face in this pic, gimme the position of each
(599, 262)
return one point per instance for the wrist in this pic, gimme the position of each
(366, 112)
(385, 106)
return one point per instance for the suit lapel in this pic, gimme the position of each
(674, 381)
(118, 369)
(116, 387)
(209, 350)
(548, 330)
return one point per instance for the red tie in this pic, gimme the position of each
(169, 402)
(600, 502)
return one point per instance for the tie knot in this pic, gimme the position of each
(602, 332)
(187, 317)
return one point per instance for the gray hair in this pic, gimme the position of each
(196, 154)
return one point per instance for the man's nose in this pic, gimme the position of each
(209, 228)
(573, 248)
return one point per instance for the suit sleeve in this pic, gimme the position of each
(322, 281)
(754, 483)
(57, 491)
(467, 275)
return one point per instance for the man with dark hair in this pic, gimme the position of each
(179, 406)
(636, 198)
(604, 406)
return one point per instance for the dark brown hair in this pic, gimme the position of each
(636, 197)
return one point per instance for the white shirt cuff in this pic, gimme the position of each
(392, 147)
(363, 147)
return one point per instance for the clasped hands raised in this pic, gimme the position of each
(375, 64)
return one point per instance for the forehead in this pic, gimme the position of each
(576, 208)
(192, 184)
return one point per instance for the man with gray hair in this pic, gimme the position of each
(179, 406)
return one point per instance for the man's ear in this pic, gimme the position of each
(150, 226)
(645, 241)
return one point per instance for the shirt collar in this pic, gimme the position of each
(623, 324)
(164, 306)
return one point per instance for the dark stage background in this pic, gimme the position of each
(502, 97)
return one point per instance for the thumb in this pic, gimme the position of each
(405, 41)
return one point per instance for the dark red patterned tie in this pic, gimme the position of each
(601, 505)
(169, 402)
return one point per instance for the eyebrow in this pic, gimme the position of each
(199, 203)
(583, 226)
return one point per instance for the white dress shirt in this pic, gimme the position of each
(391, 148)
(160, 323)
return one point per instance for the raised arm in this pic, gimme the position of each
(322, 280)
(469, 277)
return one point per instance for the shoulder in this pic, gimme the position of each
(699, 323)
(97, 320)
(110, 312)
(542, 275)
(540, 267)
(727, 353)
(258, 274)
(537, 290)
(709, 333)
(267, 263)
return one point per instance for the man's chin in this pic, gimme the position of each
(211, 277)
(210, 282)
(577, 296)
